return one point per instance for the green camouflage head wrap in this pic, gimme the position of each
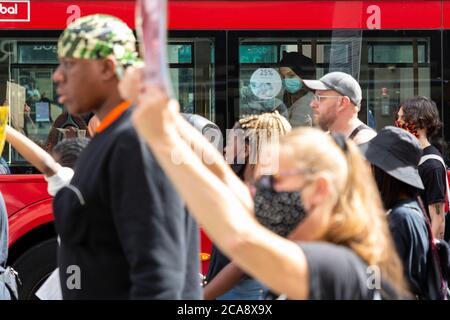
(99, 36)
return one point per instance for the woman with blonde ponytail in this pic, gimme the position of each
(341, 250)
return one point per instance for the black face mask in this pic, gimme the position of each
(281, 212)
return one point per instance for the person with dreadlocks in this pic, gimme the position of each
(278, 212)
(120, 220)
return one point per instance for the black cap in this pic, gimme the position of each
(302, 65)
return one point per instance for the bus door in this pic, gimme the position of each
(259, 86)
(398, 67)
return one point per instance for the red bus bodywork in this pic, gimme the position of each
(30, 206)
(244, 15)
(27, 202)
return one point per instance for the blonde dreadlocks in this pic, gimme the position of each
(268, 124)
(259, 130)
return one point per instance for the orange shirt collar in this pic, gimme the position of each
(112, 116)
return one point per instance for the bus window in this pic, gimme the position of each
(262, 83)
(397, 69)
(391, 66)
(26, 68)
(192, 72)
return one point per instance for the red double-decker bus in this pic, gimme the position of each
(217, 49)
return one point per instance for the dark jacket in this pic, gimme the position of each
(124, 231)
(4, 293)
(409, 231)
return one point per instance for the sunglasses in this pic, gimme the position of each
(268, 181)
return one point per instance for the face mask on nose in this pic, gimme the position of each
(293, 85)
(281, 212)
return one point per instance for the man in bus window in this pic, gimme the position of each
(124, 231)
(336, 103)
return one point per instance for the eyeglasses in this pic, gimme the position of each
(318, 97)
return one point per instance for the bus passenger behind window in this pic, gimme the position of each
(294, 67)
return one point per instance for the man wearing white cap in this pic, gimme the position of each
(336, 104)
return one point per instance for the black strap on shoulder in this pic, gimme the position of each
(357, 130)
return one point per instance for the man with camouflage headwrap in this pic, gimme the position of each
(124, 231)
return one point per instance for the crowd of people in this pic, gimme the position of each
(329, 209)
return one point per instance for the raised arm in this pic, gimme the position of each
(34, 154)
(223, 282)
(228, 222)
(213, 160)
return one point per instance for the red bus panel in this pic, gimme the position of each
(233, 15)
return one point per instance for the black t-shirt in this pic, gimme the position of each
(218, 259)
(410, 233)
(335, 273)
(433, 176)
(216, 264)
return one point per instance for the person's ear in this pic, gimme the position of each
(344, 103)
(108, 68)
(321, 191)
(349, 102)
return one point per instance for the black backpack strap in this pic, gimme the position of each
(357, 130)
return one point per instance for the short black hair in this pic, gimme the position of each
(68, 151)
(303, 66)
(391, 188)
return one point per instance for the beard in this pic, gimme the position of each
(325, 120)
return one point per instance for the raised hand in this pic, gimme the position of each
(156, 115)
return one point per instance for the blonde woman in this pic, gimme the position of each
(341, 250)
